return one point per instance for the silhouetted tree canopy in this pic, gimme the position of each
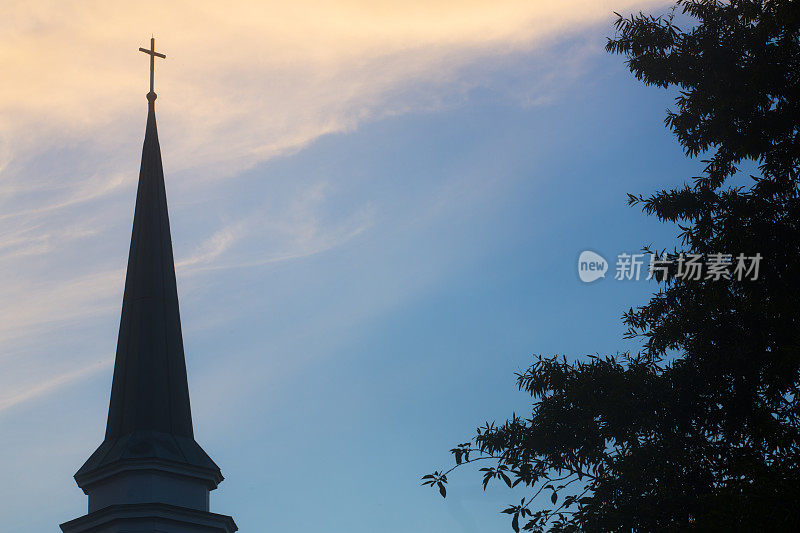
(699, 430)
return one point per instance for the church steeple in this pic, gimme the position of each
(149, 467)
(150, 391)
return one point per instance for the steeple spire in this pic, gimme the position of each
(150, 391)
(149, 456)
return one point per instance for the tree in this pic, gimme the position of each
(699, 430)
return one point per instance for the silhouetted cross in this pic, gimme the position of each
(153, 55)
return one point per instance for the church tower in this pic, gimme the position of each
(149, 475)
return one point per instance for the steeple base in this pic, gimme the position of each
(150, 518)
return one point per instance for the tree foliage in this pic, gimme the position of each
(699, 430)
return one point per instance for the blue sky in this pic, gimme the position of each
(356, 294)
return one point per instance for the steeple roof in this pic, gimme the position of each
(150, 391)
(150, 416)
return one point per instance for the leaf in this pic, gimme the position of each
(442, 490)
(554, 497)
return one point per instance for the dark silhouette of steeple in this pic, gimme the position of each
(149, 413)
(149, 467)
(150, 391)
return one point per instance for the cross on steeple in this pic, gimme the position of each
(153, 54)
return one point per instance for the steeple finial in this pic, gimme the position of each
(153, 55)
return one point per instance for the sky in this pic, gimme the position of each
(376, 211)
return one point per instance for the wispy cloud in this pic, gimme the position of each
(249, 80)
(242, 83)
(89, 189)
(38, 304)
(213, 246)
(266, 236)
(10, 398)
